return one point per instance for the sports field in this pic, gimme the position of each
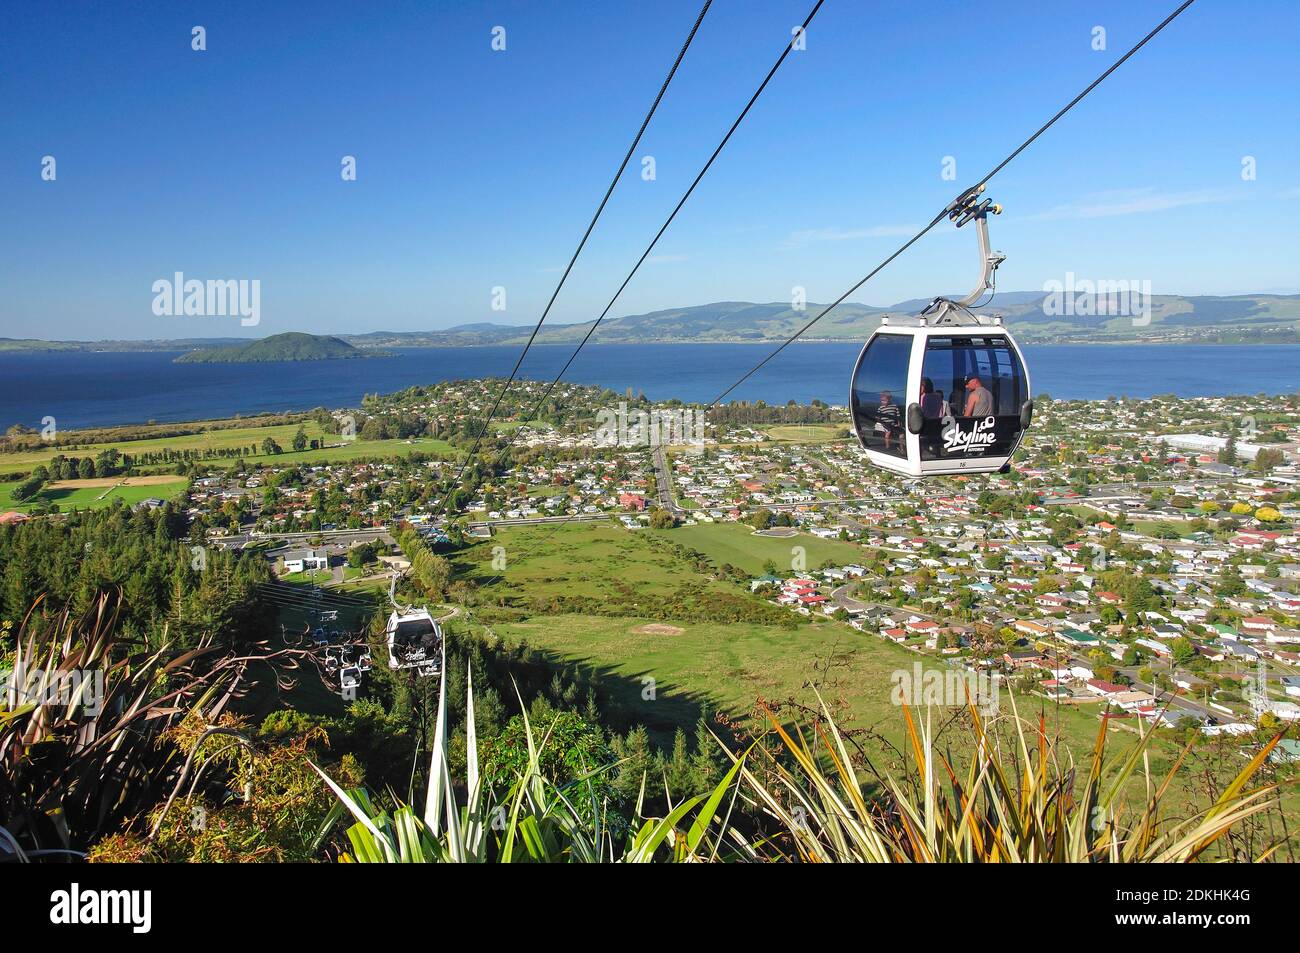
(93, 494)
(808, 433)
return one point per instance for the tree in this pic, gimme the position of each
(1230, 583)
(1183, 650)
(107, 463)
(300, 439)
(661, 518)
(635, 761)
(361, 554)
(677, 767)
(270, 447)
(27, 489)
(574, 749)
(1268, 458)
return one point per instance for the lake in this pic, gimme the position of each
(104, 389)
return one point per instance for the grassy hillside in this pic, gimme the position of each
(1235, 319)
(655, 668)
(1252, 318)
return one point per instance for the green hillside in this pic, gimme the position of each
(1082, 319)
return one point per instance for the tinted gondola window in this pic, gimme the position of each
(976, 386)
(880, 394)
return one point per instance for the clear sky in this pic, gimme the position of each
(478, 168)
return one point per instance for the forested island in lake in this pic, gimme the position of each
(290, 346)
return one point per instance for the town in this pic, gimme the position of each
(1141, 559)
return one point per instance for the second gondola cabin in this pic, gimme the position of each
(929, 399)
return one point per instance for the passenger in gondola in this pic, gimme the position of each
(890, 417)
(979, 399)
(933, 408)
(931, 402)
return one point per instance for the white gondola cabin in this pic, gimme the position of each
(947, 391)
(414, 641)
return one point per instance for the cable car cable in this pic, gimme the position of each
(957, 203)
(581, 244)
(663, 228)
(654, 241)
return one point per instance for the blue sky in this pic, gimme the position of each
(479, 169)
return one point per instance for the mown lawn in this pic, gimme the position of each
(282, 434)
(737, 544)
(808, 433)
(70, 495)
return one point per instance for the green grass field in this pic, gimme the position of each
(208, 440)
(667, 680)
(1148, 527)
(736, 544)
(722, 666)
(282, 434)
(308, 578)
(595, 560)
(1145, 527)
(92, 497)
(359, 449)
(808, 433)
(654, 667)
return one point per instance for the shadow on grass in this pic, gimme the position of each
(627, 700)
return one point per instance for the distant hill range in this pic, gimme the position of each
(1034, 316)
(291, 346)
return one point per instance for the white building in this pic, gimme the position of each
(1203, 443)
(306, 561)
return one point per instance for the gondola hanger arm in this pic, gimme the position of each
(967, 207)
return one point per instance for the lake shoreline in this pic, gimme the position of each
(89, 390)
(380, 350)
